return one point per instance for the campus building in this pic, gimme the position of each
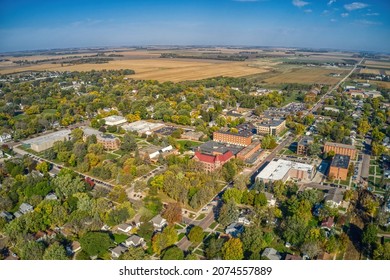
(272, 127)
(109, 142)
(341, 149)
(44, 142)
(210, 163)
(242, 136)
(339, 167)
(303, 145)
(280, 169)
(114, 120)
(248, 151)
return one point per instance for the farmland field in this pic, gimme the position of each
(306, 75)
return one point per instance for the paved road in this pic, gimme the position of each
(57, 167)
(271, 156)
(366, 158)
(321, 101)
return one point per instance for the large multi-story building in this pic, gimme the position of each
(241, 135)
(248, 151)
(210, 163)
(280, 169)
(271, 127)
(341, 149)
(303, 145)
(45, 142)
(109, 142)
(339, 167)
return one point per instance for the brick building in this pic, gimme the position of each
(339, 167)
(341, 149)
(248, 151)
(211, 163)
(303, 145)
(109, 142)
(242, 137)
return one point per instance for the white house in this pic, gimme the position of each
(5, 137)
(25, 208)
(114, 120)
(118, 251)
(125, 227)
(270, 199)
(159, 222)
(134, 241)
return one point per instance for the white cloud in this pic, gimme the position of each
(344, 14)
(307, 11)
(368, 22)
(355, 6)
(299, 3)
(331, 2)
(333, 20)
(372, 14)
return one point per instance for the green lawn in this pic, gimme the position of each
(201, 217)
(111, 156)
(180, 237)
(119, 238)
(198, 252)
(372, 170)
(213, 225)
(178, 227)
(49, 111)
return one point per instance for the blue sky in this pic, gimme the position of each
(341, 24)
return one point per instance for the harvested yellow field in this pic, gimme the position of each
(370, 71)
(378, 64)
(307, 76)
(174, 70)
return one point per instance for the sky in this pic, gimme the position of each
(335, 24)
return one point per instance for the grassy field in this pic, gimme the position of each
(160, 69)
(306, 75)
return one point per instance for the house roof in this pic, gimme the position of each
(271, 254)
(340, 161)
(135, 239)
(334, 195)
(119, 249)
(328, 222)
(290, 257)
(124, 226)
(212, 159)
(158, 220)
(25, 207)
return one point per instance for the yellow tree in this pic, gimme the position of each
(232, 250)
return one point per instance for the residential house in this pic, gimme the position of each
(134, 241)
(327, 223)
(234, 229)
(271, 254)
(270, 199)
(290, 257)
(25, 208)
(118, 251)
(73, 247)
(159, 222)
(125, 227)
(51, 196)
(334, 197)
(6, 215)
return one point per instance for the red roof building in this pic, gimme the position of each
(211, 163)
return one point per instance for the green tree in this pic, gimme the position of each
(173, 253)
(31, 250)
(382, 252)
(232, 250)
(214, 248)
(43, 167)
(96, 243)
(253, 240)
(129, 143)
(55, 252)
(163, 240)
(228, 213)
(66, 185)
(134, 253)
(196, 234)
(369, 238)
(232, 193)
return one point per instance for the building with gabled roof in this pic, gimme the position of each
(210, 163)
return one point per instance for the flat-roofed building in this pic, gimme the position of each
(339, 167)
(241, 135)
(341, 149)
(142, 127)
(271, 127)
(115, 120)
(303, 145)
(41, 143)
(248, 151)
(280, 169)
